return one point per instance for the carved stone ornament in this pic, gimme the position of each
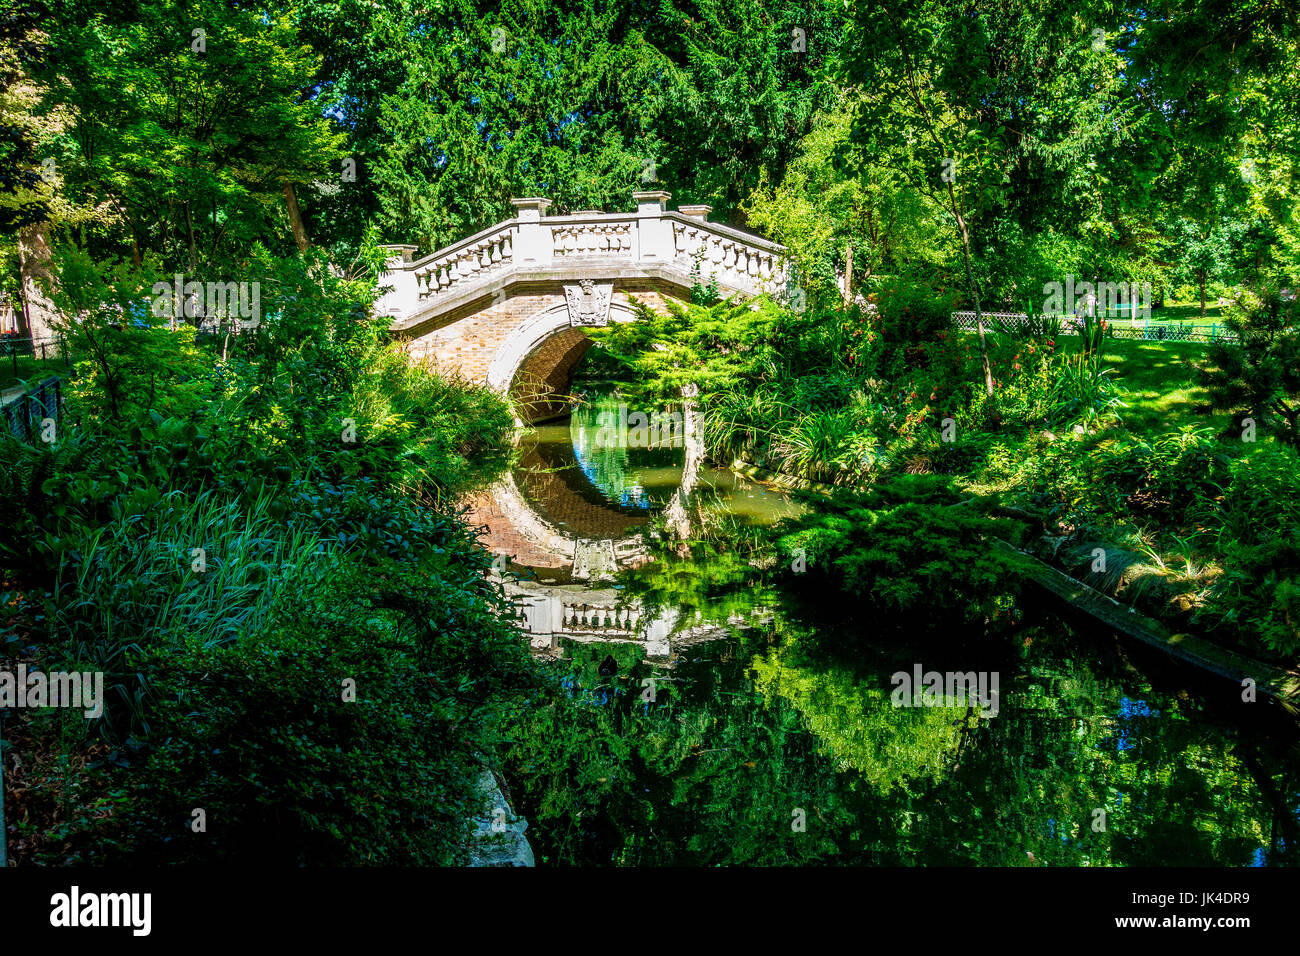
(589, 302)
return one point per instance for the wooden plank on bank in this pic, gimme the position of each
(1270, 680)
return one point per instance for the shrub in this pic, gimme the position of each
(1259, 375)
(911, 312)
(260, 733)
(910, 560)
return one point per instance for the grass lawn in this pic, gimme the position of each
(1160, 383)
(1188, 312)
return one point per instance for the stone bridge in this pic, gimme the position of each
(507, 307)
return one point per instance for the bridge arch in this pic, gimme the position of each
(518, 529)
(536, 360)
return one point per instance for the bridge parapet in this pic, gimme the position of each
(550, 616)
(681, 247)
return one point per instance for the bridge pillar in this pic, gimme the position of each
(532, 243)
(402, 279)
(654, 232)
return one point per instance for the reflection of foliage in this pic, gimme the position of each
(858, 725)
(615, 780)
(610, 461)
(710, 579)
(705, 775)
(710, 773)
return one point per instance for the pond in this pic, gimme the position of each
(761, 728)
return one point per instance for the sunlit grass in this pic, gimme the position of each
(1160, 382)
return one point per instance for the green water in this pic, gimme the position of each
(781, 743)
(594, 457)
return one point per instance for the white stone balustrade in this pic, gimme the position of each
(681, 247)
(466, 263)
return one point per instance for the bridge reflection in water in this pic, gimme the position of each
(576, 510)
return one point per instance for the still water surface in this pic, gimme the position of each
(781, 743)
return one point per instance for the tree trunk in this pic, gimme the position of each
(848, 275)
(1201, 276)
(38, 312)
(970, 281)
(295, 217)
(189, 232)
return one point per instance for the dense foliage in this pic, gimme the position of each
(249, 528)
(295, 638)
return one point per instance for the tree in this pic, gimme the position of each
(1209, 250)
(193, 122)
(585, 103)
(965, 99)
(1259, 376)
(834, 212)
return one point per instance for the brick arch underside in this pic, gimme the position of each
(541, 384)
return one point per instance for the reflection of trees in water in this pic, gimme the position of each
(719, 574)
(796, 717)
(614, 450)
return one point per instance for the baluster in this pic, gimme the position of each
(507, 250)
